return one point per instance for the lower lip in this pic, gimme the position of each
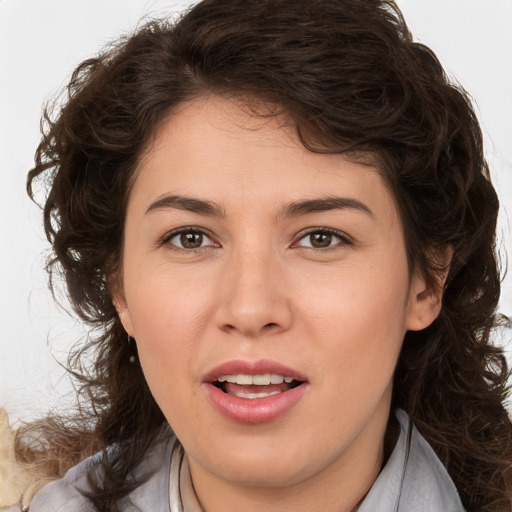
(256, 410)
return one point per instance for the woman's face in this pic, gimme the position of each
(250, 262)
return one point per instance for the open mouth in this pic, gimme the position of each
(254, 392)
(255, 386)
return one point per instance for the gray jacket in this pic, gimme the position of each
(413, 480)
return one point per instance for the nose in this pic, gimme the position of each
(254, 301)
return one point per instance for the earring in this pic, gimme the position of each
(131, 344)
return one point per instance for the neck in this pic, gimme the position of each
(340, 486)
(292, 499)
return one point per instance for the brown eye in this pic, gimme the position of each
(191, 240)
(320, 240)
(323, 239)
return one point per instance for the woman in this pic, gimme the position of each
(279, 219)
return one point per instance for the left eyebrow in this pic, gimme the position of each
(297, 208)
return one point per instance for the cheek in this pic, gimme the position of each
(165, 302)
(167, 319)
(166, 348)
(359, 317)
(359, 299)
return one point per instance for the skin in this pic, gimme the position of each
(258, 289)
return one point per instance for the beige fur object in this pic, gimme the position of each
(18, 483)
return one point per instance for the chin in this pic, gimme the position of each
(265, 476)
(261, 468)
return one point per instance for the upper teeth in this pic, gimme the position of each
(255, 380)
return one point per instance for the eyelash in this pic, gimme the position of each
(344, 240)
(166, 239)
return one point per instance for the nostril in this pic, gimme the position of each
(269, 325)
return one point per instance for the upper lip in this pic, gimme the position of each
(260, 367)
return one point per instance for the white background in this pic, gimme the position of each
(41, 41)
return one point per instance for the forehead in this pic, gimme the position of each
(221, 147)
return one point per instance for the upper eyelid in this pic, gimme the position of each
(344, 241)
(299, 236)
(320, 229)
(187, 229)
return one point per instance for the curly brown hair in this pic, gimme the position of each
(351, 77)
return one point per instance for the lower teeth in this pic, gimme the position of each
(251, 396)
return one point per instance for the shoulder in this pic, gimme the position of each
(413, 479)
(426, 482)
(68, 493)
(65, 494)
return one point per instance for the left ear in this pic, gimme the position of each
(425, 299)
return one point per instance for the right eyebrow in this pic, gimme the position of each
(188, 204)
